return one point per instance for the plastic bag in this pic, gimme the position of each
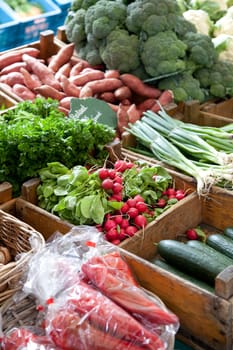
(91, 299)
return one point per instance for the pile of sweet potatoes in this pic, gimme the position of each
(64, 75)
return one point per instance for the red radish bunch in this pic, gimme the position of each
(127, 222)
(135, 213)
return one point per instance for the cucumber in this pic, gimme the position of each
(164, 265)
(206, 249)
(228, 231)
(221, 243)
(190, 260)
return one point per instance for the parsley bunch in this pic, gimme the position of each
(36, 133)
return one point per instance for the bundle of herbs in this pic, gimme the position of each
(205, 153)
(35, 133)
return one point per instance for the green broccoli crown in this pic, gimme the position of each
(82, 4)
(75, 30)
(120, 51)
(103, 17)
(218, 78)
(163, 53)
(140, 11)
(200, 49)
(184, 87)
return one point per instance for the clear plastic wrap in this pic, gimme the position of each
(91, 300)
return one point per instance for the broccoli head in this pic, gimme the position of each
(218, 79)
(120, 51)
(200, 49)
(103, 17)
(75, 22)
(163, 53)
(184, 87)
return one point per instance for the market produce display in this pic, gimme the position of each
(120, 200)
(161, 44)
(33, 134)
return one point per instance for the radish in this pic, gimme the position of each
(192, 234)
(171, 192)
(124, 223)
(107, 184)
(112, 173)
(131, 230)
(117, 188)
(111, 235)
(161, 203)
(139, 198)
(133, 212)
(103, 173)
(131, 202)
(141, 207)
(118, 219)
(118, 179)
(121, 165)
(109, 224)
(122, 235)
(140, 221)
(124, 208)
(180, 194)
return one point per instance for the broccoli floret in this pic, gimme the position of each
(218, 79)
(155, 24)
(103, 17)
(120, 51)
(90, 53)
(200, 49)
(163, 53)
(75, 31)
(140, 11)
(184, 87)
(180, 25)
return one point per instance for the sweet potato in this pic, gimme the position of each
(69, 88)
(122, 93)
(104, 85)
(23, 92)
(10, 57)
(76, 69)
(87, 76)
(63, 56)
(49, 91)
(14, 67)
(107, 96)
(63, 110)
(64, 70)
(65, 102)
(12, 78)
(29, 81)
(146, 104)
(45, 74)
(139, 87)
(112, 73)
(113, 106)
(133, 113)
(85, 91)
(122, 118)
(166, 97)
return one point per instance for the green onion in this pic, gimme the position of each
(168, 153)
(188, 140)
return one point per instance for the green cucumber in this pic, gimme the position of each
(190, 260)
(228, 231)
(206, 249)
(164, 265)
(221, 243)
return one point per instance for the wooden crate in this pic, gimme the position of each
(5, 192)
(6, 102)
(207, 114)
(205, 316)
(44, 222)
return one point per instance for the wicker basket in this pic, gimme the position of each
(21, 240)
